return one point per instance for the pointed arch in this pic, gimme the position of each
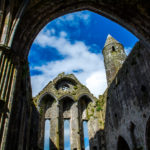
(122, 144)
(46, 98)
(86, 98)
(66, 98)
(39, 15)
(66, 103)
(65, 80)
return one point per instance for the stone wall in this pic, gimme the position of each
(66, 98)
(128, 102)
(19, 118)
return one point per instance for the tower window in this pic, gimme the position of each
(113, 48)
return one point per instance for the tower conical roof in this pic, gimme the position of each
(110, 40)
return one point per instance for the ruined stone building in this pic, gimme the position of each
(66, 98)
(126, 102)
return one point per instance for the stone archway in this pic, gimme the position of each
(148, 134)
(31, 16)
(21, 21)
(47, 105)
(122, 144)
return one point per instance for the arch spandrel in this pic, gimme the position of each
(38, 15)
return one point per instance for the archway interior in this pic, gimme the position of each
(62, 43)
(73, 44)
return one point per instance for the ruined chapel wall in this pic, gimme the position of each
(128, 101)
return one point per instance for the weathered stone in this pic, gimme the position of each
(114, 57)
(127, 124)
(77, 104)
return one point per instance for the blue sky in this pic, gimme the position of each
(66, 135)
(73, 44)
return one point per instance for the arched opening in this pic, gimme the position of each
(46, 109)
(46, 100)
(122, 144)
(65, 107)
(65, 83)
(148, 134)
(31, 21)
(34, 20)
(83, 104)
(65, 115)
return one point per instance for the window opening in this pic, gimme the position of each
(47, 135)
(86, 136)
(113, 48)
(67, 134)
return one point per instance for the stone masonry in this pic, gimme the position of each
(66, 98)
(126, 100)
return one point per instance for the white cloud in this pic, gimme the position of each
(74, 19)
(97, 82)
(77, 57)
(128, 50)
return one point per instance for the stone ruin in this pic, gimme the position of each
(126, 102)
(66, 98)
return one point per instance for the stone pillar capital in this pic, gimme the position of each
(11, 54)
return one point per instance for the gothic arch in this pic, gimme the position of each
(65, 79)
(122, 144)
(83, 103)
(64, 97)
(65, 105)
(148, 134)
(45, 98)
(85, 96)
(37, 16)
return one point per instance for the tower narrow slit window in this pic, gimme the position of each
(86, 136)
(47, 135)
(113, 48)
(67, 134)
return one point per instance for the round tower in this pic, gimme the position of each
(114, 56)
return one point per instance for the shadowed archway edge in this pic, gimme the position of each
(133, 15)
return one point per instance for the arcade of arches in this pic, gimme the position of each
(73, 101)
(127, 99)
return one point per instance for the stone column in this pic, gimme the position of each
(14, 90)
(91, 133)
(61, 125)
(54, 127)
(75, 130)
(9, 66)
(9, 77)
(42, 127)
